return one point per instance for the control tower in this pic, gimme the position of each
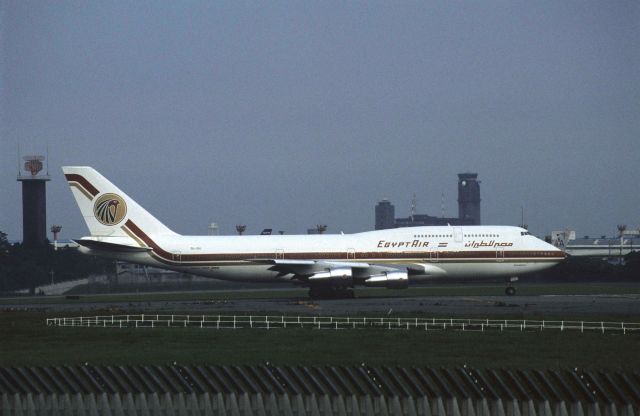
(469, 198)
(385, 215)
(34, 202)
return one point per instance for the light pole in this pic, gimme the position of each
(621, 229)
(55, 230)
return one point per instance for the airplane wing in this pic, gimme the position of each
(324, 272)
(309, 268)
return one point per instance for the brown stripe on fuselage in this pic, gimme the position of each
(81, 181)
(383, 257)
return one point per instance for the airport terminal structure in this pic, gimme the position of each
(468, 209)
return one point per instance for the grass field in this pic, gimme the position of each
(27, 341)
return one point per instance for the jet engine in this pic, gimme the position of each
(338, 273)
(391, 280)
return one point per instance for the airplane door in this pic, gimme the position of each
(500, 255)
(434, 256)
(279, 254)
(457, 234)
(351, 254)
(177, 256)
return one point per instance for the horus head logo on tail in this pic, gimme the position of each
(110, 209)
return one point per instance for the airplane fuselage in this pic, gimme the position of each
(428, 252)
(328, 264)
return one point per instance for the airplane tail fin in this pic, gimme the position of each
(110, 213)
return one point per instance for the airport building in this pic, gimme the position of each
(468, 209)
(603, 246)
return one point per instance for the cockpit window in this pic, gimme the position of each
(525, 233)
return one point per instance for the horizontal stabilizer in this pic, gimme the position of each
(114, 247)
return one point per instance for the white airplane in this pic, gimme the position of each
(330, 265)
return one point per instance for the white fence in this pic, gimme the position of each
(331, 322)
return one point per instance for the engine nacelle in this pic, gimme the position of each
(340, 273)
(390, 280)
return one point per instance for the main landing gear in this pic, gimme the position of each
(511, 290)
(331, 292)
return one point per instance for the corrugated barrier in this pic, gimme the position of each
(269, 390)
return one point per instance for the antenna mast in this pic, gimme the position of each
(413, 206)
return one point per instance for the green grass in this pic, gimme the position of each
(27, 341)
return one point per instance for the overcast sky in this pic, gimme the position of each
(288, 114)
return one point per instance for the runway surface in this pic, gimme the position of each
(467, 306)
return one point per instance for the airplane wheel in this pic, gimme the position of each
(344, 293)
(331, 293)
(510, 291)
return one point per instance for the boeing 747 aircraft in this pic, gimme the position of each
(330, 265)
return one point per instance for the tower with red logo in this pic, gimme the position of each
(34, 202)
